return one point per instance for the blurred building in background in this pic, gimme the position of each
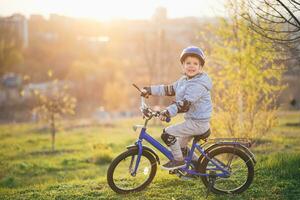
(20, 24)
(10, 85)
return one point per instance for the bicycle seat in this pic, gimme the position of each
(203, 136)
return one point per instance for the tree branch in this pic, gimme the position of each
(295, 2)
(288, 10)
(282, 41)
(283, 17)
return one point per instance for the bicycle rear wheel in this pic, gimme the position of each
(238, 163)
(119, 175)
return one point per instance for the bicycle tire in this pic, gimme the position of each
(122, 156)
(250, 167)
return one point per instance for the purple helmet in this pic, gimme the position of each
(193, 51)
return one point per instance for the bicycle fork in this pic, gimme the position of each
(140, 151)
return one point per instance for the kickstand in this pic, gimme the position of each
(211, 182)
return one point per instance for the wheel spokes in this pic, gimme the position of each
(238, 172)
(123, 177)
(131, 163)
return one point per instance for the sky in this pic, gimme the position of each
(112, 9)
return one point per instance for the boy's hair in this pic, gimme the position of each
(194, 56)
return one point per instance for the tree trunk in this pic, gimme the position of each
(53, 131)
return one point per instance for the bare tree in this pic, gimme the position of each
(278, 22)
(281, 16)
(53, 103)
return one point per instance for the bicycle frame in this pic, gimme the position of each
(130, 172)
(145, 136)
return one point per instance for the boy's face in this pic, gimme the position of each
(191, 66)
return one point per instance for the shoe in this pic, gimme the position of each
(173, 164)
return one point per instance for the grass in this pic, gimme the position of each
(77, 169)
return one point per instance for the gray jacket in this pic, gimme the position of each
(195, 90)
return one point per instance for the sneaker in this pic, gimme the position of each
(173, 164)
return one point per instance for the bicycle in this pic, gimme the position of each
(225, 165)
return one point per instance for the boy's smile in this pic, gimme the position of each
(191, 66)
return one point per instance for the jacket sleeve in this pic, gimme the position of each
(164, 90)
(193, 93)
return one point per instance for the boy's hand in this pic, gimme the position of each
(146, 92)
(164, 115)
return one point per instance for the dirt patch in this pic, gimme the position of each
(56, 152)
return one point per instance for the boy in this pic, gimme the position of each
(192, 92)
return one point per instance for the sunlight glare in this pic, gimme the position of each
(110, 10)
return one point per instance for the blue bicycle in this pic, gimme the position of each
(225, 165)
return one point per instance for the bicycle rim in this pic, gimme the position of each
(122, 175)
(237, 163)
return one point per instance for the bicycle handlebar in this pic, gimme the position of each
(146, 110)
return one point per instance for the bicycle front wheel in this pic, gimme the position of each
(119, 174)
(238, 163)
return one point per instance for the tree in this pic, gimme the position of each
(11, 56)
(115, 93)
(278, 22)
(158, 54)
(246, 78)
(275, 13)
(53, 103)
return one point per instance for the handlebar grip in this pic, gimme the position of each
(168, 119)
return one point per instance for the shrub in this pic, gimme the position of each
(9, 182)
(102, 154)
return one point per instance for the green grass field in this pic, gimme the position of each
(77, 169)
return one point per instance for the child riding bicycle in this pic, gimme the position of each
(192, 93)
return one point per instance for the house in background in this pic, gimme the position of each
(20, 24)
